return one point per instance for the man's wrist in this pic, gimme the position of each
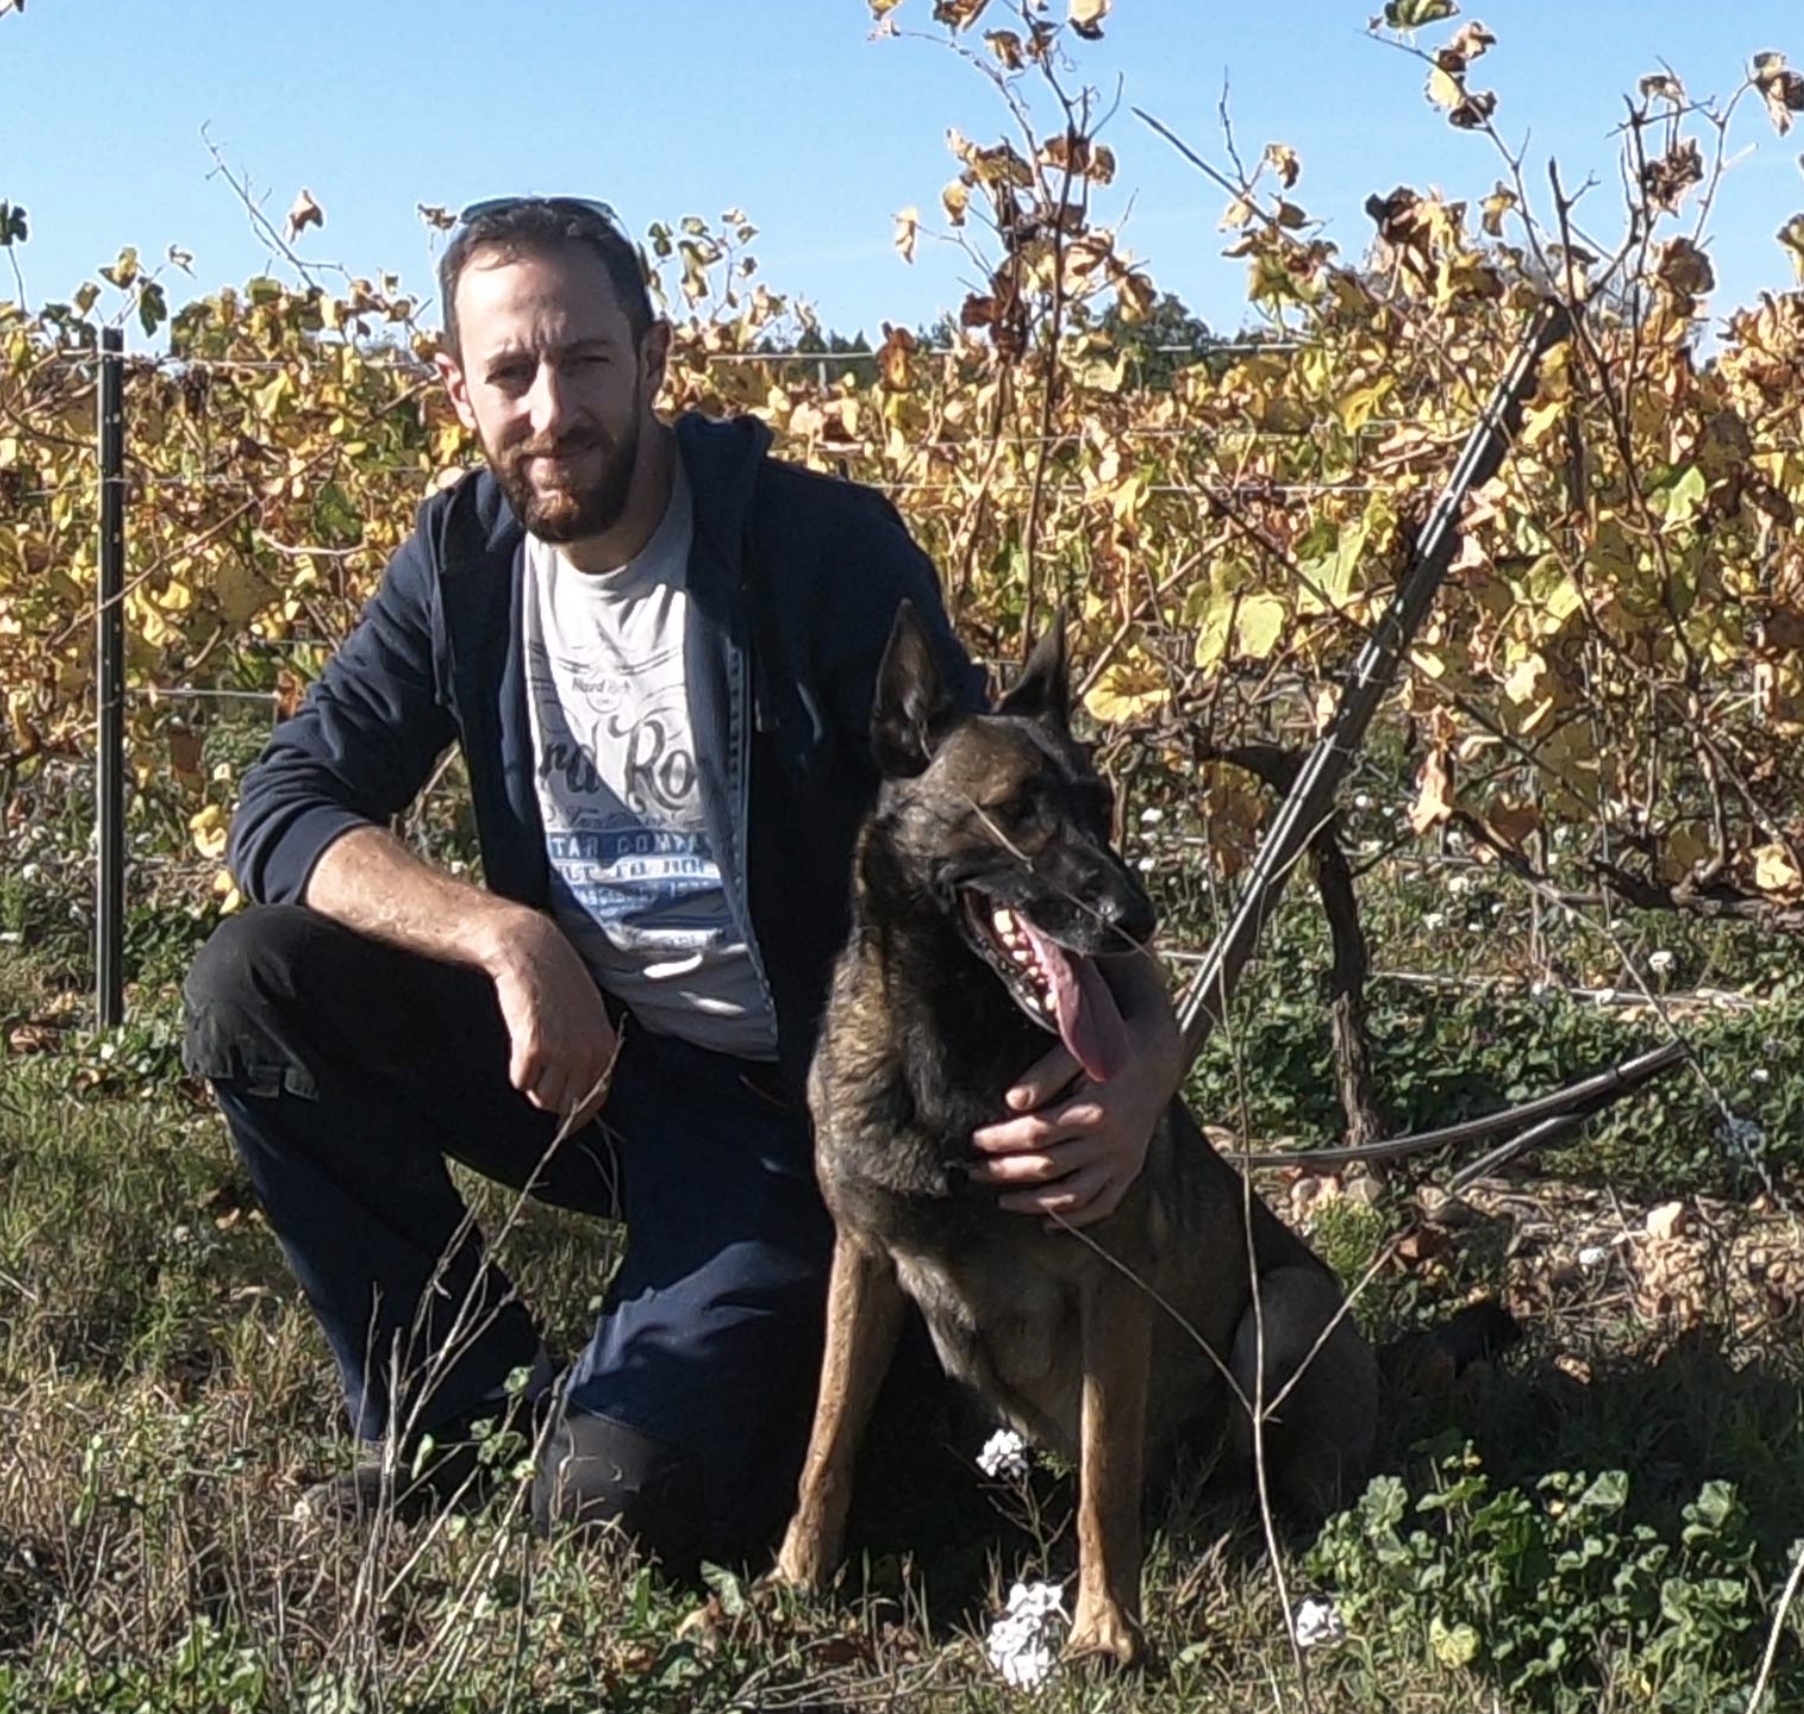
(503, 938)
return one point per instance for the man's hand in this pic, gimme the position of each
(563, 1044)
(1077, 1146)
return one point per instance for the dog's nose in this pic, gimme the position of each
(1130, 913)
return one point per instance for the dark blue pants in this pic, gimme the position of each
(349, 1071)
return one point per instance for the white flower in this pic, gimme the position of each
(1151, 817)
(1458, 884)
(1362, 800)
(1146, 865)
(1004, 1457)
(1741, 1136)
(1660, 962)
(1316, 1623)
(1023, 1644)
(1435, 919)
(1760, 1074)
(1593, 1256)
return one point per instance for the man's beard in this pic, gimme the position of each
(572, 514)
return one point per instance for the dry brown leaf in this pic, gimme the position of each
(1684, 269)
(1496, 206)
(1474, 112)
(1471, 39)
(908, 228)
(1434, 792)
(893, 355)
(1006, 46)
(958, 14)
(306, 212)
(1780, 87)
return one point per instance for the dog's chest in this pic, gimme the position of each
(1007, 1330)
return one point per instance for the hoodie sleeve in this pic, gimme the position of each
(359, 749)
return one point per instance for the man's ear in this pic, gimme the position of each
(1043, 691)
(654, 360)
(452, 375)
(913, 708)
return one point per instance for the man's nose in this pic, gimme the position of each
(545, 401)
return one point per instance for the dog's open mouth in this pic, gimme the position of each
(1061, 990)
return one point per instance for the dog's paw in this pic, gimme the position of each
(1103, 1632)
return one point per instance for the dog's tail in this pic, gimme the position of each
(1432, 1360)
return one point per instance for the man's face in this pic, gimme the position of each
(548, 376)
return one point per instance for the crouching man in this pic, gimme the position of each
(656, 647)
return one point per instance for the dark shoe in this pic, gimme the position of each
(598, 1474)
(454, 1466)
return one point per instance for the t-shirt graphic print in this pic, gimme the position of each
(634, 878)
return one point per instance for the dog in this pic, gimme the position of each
(986, 899)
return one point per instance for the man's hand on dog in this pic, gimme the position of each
(562, 1042)
(1078, 1146)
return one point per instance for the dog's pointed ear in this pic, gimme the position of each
(1043, 691)
(914, 707)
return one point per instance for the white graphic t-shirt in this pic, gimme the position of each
(634, 881)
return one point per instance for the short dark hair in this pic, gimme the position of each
(541, 226)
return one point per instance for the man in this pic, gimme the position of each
(656, 647)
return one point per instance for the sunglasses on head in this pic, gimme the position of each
(568, 205)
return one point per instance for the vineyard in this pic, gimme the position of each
(1609, 695)
(1577, 829)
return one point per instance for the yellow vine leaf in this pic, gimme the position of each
(1127, 690)
(1774, 870)
(1444, 89)
(1262, 622)
(207, 828)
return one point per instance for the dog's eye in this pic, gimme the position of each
(1009, 812)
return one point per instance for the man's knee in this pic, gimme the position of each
(241, 952)
(596, 1473)
(238, 989)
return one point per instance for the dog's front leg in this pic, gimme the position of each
(1117, 1341)
(864, 1320)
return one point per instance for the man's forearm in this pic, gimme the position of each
(369, 881)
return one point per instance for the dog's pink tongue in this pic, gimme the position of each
(1089, 1021)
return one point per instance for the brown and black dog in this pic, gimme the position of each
(985, 893)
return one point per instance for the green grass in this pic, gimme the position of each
(164, 1394)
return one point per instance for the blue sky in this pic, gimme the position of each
(790, 111)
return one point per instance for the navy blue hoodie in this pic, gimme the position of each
(794, 581)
